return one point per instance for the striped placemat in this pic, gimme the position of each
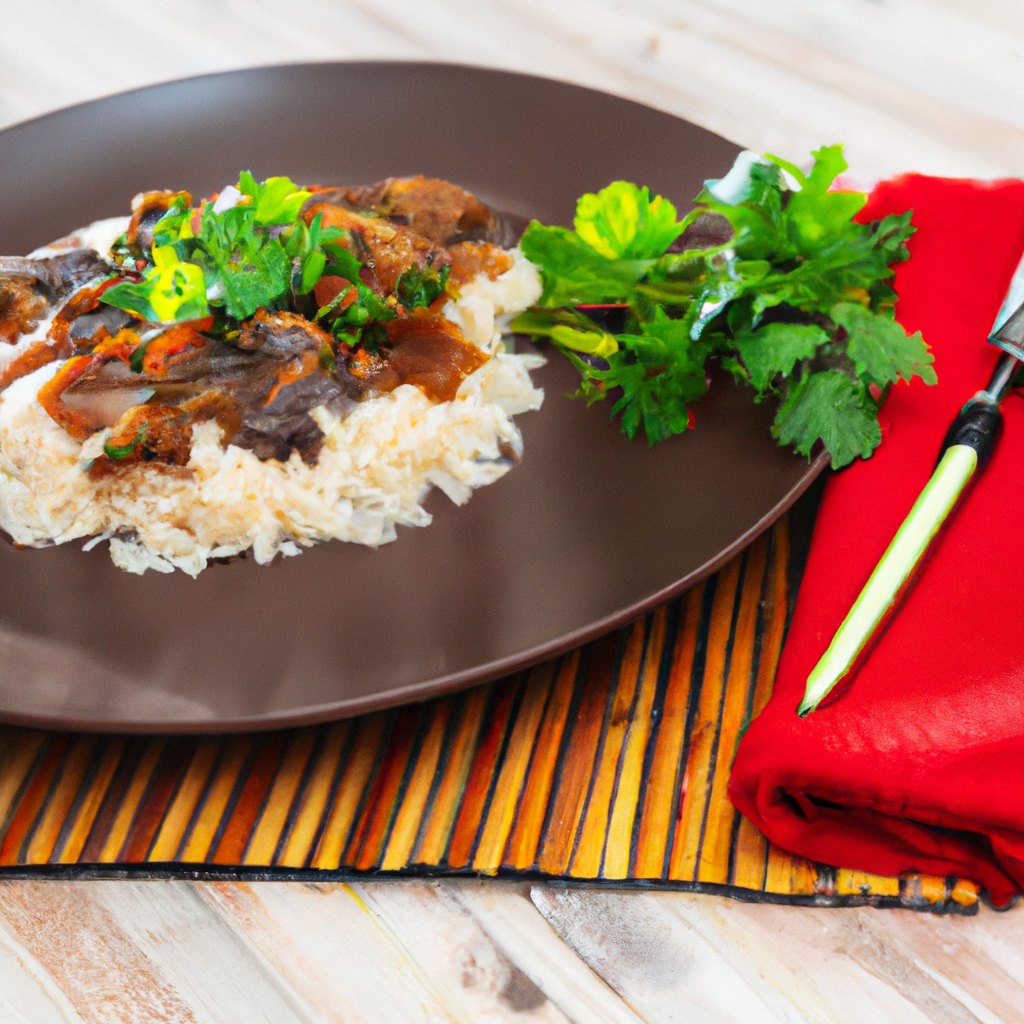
(609, 764)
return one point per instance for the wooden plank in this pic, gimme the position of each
(473, 977)
(324, 942)
(852, 964)
(660, 965)
(515, 926)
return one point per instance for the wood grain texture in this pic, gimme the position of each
(487, 951)
(786, 76)
(931, 85)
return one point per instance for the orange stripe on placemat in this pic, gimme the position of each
(481, 773)
(409, 816)
(719, 815)
(632, 761)
(521, 852)
(586, 862)
(80, 820)
(239, 825)
(25, 811)
(579, 750)
(661, 795)
(264, 838)
(450, 782)
(700, 767)
(306, 823)
(167, 843)
(610, 762)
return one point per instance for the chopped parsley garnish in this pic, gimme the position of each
(246, 250)
(420, 286)
(797, 302)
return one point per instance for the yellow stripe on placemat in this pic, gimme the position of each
(609, 763)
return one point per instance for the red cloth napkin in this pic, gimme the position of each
(920, 764)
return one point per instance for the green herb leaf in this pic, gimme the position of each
(119, 452)
(278, 201)
(624, 222)
(814, 215)
(776, 348)
(660, 372)
(250, 255)
(170, 290)
(797, 259)
(574, 272)
(367, 307)
(830, 407)
(420, 286)
(881, 349)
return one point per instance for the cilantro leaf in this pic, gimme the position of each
(881, 349)
(798, 303)
(830, 407)
(367, 308)
(624, 222)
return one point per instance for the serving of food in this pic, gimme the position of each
(259, 371)
(276, 366)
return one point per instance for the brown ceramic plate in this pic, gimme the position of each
(588, 532)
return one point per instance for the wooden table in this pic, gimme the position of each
(929, 85)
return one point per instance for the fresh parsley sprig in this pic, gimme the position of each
(797, 303)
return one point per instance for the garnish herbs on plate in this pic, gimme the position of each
(769, 274)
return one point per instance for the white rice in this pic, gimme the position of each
(375, 468)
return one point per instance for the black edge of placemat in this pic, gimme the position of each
(205, 873)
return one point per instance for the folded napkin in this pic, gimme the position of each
(919, 765)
